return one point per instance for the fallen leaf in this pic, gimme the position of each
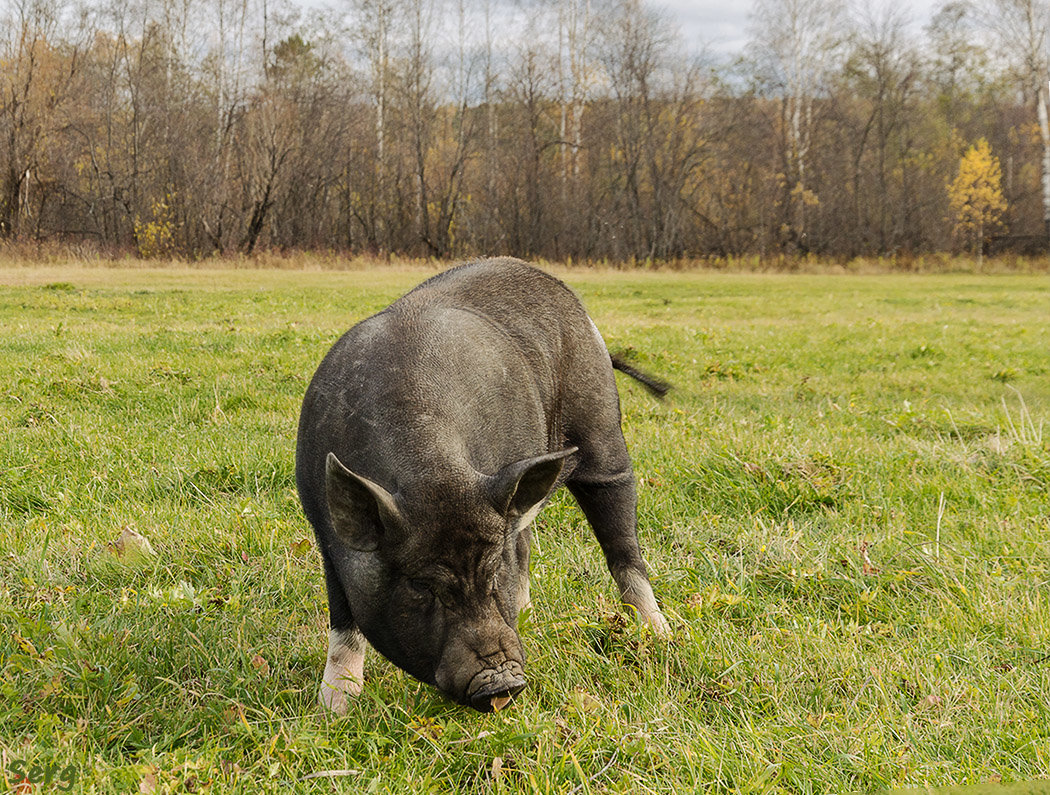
(25, 645)
(259, 664)
(497, 767)
(869, 568)
(132, 546)
(300, 547)
(932, 701)
(148, 784)
(584, 702)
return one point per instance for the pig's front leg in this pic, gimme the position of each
(344, 670)
(610, 504)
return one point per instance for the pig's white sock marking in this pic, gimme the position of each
(344, 670)
(637, 592)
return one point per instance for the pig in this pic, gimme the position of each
(430, 437)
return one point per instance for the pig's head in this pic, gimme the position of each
(433, 579)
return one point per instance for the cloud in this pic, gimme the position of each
(707, 24)
(720, 27)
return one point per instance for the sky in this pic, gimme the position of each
(720, 26)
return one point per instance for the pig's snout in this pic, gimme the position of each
(486, 689)
(482, 664)
(494, 694)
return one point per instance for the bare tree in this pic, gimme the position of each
(41, 68)
(958, 63)
(658, 143)
(375, 25)
(795, 45)
(884, 70)
(575, 31)
(1021, 28)
(417, 103)
(263, 147)
(530, 136)
(459, 131)
(227, 70)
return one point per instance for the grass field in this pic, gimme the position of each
(845, 506)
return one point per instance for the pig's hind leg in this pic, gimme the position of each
(604, 488)
(344, 670)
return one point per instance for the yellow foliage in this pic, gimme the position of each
(805, 195)
(976, 195)
(155, 237)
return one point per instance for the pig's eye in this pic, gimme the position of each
(421, 588)
(425, 589)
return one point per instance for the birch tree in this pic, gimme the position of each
(230, 80)
(369, 199)
(576, 27)
(795, 45)
(1022, 28)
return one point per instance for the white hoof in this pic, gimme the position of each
(658, 624)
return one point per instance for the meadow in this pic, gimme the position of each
(844, 503)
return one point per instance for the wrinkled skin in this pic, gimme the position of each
(430, 437)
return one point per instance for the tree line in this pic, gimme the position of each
(582, 129)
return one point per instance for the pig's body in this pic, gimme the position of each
(430, 436)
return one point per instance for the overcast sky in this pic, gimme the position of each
(721, 25)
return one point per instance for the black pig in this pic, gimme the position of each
(430, 437)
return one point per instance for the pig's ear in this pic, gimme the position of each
(525, 484)
(359, 507)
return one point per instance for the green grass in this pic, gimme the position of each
(845, 506)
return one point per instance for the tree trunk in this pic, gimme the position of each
(9, 203)
(1044, 131)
